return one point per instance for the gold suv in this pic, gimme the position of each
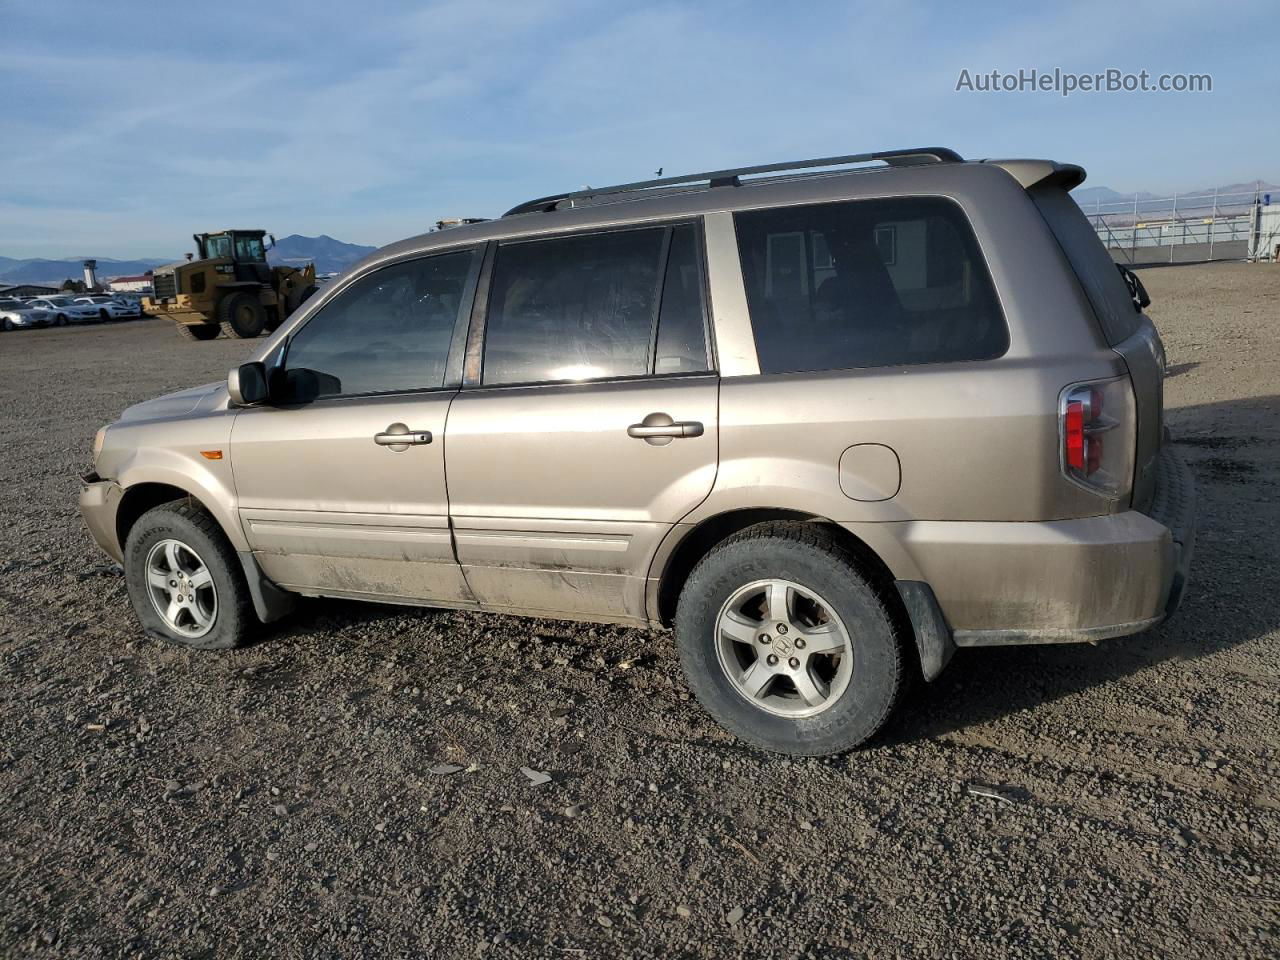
(830, 419)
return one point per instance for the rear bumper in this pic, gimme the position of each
(99, 502)
(1062, 581)
(1174, 506)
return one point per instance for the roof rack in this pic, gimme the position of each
(731, 178)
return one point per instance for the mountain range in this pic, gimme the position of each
(329, 256)
(1231, 198)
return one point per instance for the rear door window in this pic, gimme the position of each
(867, 283)
(625, 303)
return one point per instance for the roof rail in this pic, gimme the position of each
(730, 178)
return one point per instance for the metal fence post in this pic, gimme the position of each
(1173, 226)
(1213, 221)
(1133, 233)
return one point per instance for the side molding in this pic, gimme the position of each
(933, 637)
(269, 601)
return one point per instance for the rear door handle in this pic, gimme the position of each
(399, 437)
(659, 429)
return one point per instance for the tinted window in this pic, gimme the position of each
(1091, 262)
(218, 247)
(387, 332)
(573, 308)
(682, 340)
(867, 283)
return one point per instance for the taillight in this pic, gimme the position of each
(1098, 425)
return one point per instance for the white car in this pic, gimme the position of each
(16, 314)
(109, 308)
(64, 310)
(131, 302)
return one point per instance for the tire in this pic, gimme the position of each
(861, 694)
(198, 331)
(242, 316)
(223, 608)
(104, 316)
(8, 325)
(60, 320)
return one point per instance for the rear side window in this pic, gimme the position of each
(588, 307)
(682, 334)
(386, 333)
(1103, 284)
(867, 283)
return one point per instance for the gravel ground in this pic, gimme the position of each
(352, 784)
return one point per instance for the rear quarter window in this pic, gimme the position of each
(867, 283)
(1090, 261)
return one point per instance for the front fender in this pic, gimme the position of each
(209, 481)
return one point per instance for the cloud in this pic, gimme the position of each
(306, 118)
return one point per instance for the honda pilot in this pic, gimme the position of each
(828, 420)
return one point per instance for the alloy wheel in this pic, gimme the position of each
(181, 588)
(783, 648)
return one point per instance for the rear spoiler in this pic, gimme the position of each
(1034, 173)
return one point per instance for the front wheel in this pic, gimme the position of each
(60, 320)
(242, 316)
(786, 644)
(184, 580)
(8, 325)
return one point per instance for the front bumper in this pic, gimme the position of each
(99, 502)
(1062, 581)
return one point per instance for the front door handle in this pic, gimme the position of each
(659, 429)
(400, 438)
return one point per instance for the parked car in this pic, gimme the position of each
(829, 426)
(108, 307)
(132, 303)
(64, 309)
(16, 314)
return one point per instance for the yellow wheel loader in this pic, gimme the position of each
(228, 288)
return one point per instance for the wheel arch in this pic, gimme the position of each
(141, 497)
(147, 483)
(910, 602)
(269, 601)
(704, 536)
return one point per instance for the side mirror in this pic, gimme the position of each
(247, 384)
(303, 386)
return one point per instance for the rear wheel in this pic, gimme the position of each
(242, 316)
(786, 644)
(8, 324)
(184, 580)
(198, 331)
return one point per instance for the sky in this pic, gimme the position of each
(125, 127)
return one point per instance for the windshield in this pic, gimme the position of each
(248, 248)
(218, 247)
(59, 301)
